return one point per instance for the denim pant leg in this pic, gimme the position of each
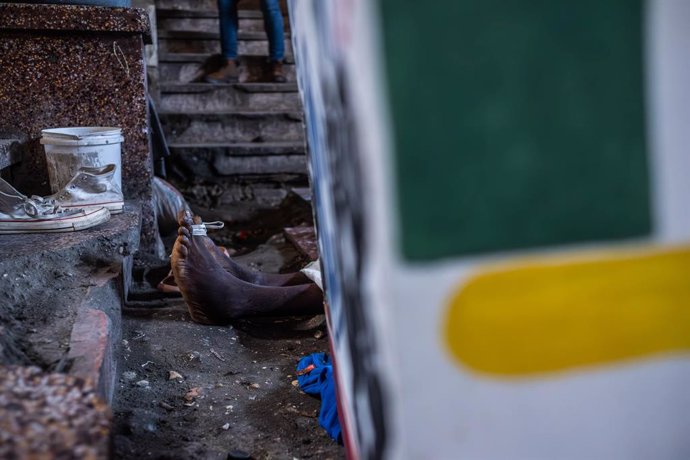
(227, 12)
(273, 23)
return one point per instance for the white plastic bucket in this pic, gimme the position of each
(68, 149)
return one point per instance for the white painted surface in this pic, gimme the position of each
(436, 409)
(668, 58)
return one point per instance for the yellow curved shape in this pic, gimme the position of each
(543, 317)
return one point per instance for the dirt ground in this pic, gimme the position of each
(234, 394)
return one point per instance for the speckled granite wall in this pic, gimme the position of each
(63, 65)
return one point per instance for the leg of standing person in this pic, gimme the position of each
(273, 23)
(229, 25)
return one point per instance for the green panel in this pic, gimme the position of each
(517, 123)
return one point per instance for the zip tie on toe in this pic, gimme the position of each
(200, 229)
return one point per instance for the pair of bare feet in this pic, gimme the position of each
(218, 290)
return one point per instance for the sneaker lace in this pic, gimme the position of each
(37, 206)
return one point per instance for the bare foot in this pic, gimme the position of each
(215, 296)
(246, 274)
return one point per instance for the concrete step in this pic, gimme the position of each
(206, 24)
(205, 21)
(214, 160)
(212, 34)
(267, 97)
(47, 278)
(196, 57)
(186, 71)
(209, 43)
(205, 5)
(188, 5)
(243, 149)
(232, 127)
(97, 331)
(196, 12)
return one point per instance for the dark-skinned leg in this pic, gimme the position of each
(215, 296)
(241, 272)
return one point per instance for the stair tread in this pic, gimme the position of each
(210, 35)
(289, 87)
(249, 87)
(248, 146)
(241, 113)
(196, 58)
(183, 13)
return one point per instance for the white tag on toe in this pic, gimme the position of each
(200, 229)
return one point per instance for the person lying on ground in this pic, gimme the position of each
(217, 290)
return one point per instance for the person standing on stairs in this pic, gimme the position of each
(229, 26)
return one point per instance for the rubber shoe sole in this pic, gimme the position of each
(73, 223)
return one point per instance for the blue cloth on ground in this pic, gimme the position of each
(320, 381)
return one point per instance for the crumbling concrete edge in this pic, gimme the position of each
(91, 351)
(97, 331)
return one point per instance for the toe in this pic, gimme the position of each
(184, 218)
(182, 250)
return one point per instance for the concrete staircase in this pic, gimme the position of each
(251, 131)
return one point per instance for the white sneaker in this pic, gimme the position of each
(21, 214)
(91, 188)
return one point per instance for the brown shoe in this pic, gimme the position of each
(277, 72)
(229, 73)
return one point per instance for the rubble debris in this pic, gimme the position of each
(216, 354)
(192, 394)
(50, 416)
(193, 356)
(172, 375)
(306, 370)
(166, 406)
(140, 335)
